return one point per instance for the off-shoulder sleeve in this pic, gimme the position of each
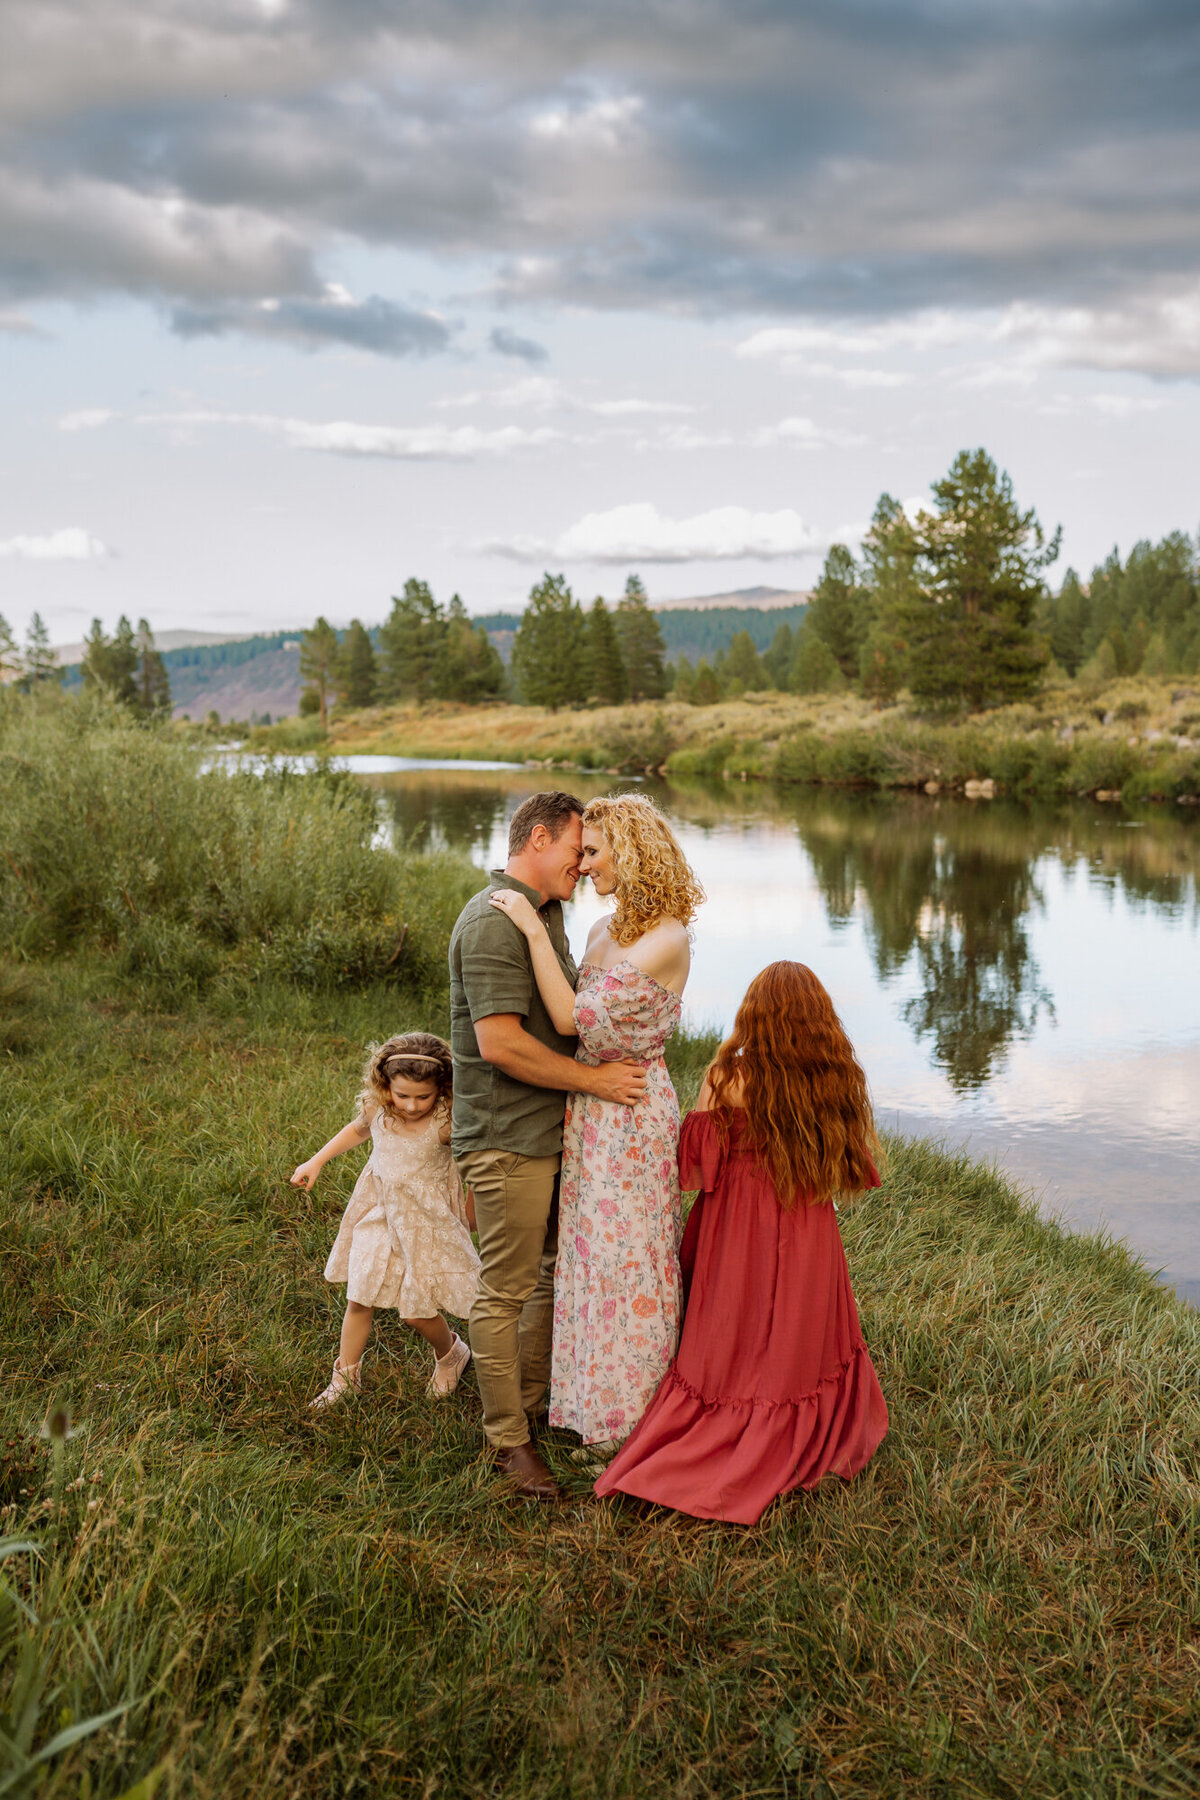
(701, 1153)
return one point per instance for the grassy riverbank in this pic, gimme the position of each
(1005, 1603)
(1138, 737)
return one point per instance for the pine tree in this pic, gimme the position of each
(705, 689)
(814, 668)
(318, 666)
(93, 667)
(549, 651)
(1066, 618)
(153, 682)
(110, 664)
(409, 641)
(605, 665)
(743, 665)
(889, 561)
(467, 665)
(683, 682)
(41, 664)
(355, 671)
(838, 611)
(882, 665)
(123, 663)
(970, 626)
(643, 648)
(777, 661)
(11, 663)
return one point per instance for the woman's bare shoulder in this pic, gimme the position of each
(598, 935)
(664, 953)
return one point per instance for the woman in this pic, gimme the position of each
(772, 1387)
(617, 1282)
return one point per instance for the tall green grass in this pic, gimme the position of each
(1035, 764)
(1005, 1603)
(226, 1599)
(193, 869)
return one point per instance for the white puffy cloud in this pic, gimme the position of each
(71, 544)
(640, 533)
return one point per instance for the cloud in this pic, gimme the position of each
(805, 434)
(71, 544)
(684, 438)
(633, 407)
(640, 533)
(857, 164)
(542, 393)
(88, 418)
(346, 437)
(375, 324)
(509, 343)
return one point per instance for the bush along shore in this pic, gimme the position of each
(205, 1594)
(1137, 738)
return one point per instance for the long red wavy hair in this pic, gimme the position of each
(789, 1064)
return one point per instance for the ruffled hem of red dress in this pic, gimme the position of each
(725, 1457)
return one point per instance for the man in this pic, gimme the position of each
(512, 1072)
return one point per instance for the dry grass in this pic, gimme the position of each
(1139, 705)
(533, 734)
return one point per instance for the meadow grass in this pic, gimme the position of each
(1004, 1603)
(1137, 736)
(204, 1592)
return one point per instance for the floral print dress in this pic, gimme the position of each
(616, 1282)
(403, 1241)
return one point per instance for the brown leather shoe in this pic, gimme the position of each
(527, 1474)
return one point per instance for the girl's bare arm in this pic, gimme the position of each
(348, 1138)
(557, 993)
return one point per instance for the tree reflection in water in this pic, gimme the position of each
(952, 886)
(944, 887)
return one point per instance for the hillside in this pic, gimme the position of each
(763, 599)
(264, 687)
(691, 630)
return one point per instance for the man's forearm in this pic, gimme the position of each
(524, 1059)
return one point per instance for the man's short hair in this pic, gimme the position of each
(553, 810)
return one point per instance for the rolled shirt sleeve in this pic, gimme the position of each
(497, 975)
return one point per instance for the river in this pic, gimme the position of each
(1020, 981)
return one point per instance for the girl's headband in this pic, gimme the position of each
(412, 1056)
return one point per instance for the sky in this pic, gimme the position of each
(299, 298)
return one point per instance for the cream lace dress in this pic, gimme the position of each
(403, 1240)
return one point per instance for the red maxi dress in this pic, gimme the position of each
(771, 1387)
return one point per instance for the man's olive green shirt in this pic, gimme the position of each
(491, 972)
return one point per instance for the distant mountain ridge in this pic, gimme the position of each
(768, 599)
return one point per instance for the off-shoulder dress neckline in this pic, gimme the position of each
(627, 962)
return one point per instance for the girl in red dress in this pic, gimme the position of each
(771, 1387)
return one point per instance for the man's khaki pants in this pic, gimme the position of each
(513, 1315)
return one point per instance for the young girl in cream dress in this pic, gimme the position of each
(404, 1240)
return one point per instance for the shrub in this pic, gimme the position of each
(124, 835)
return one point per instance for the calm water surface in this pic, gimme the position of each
(1024, 982)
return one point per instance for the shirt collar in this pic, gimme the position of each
(501, 878)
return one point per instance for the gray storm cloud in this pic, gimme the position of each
(822, 160)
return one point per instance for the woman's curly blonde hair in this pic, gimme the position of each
(653, 878)
(419, 1055)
